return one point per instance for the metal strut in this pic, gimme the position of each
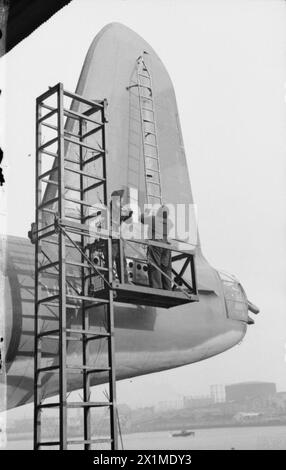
(61, 260)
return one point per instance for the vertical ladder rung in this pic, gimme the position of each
(47, 173)
(94, 333)
(47, 116)
(48, 333)
(48, 369)
(48, 443)
(154, 182)
(50, 154)
(89, 404)
(87, 369)
(89, 441)
(48, 143)
(151, 145)
(48, 299)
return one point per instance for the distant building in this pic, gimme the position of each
(243, 417)
(198, 401)
(218, 393)
(249, 391)
(146, 411)
(169, 405)
(278, 401)
(123, 408)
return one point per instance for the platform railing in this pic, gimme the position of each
(181, 276)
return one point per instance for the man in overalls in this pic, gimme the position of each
(159, 258)
(119, 214)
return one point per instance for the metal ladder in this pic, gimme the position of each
(149, 132)
(61, 244)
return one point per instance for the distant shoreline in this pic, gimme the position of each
(191, 426)
(231, 425)
(24, 435)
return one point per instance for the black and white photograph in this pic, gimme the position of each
(142, 227)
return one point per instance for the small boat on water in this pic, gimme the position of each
(183, 433)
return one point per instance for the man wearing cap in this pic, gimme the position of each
(159, 258)
(119, 214)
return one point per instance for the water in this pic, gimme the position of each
(252, 438)
(273, 437)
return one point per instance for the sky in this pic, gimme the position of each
(227, 61)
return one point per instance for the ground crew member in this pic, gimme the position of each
(119, 214)
(159, 226)
(125, 214)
